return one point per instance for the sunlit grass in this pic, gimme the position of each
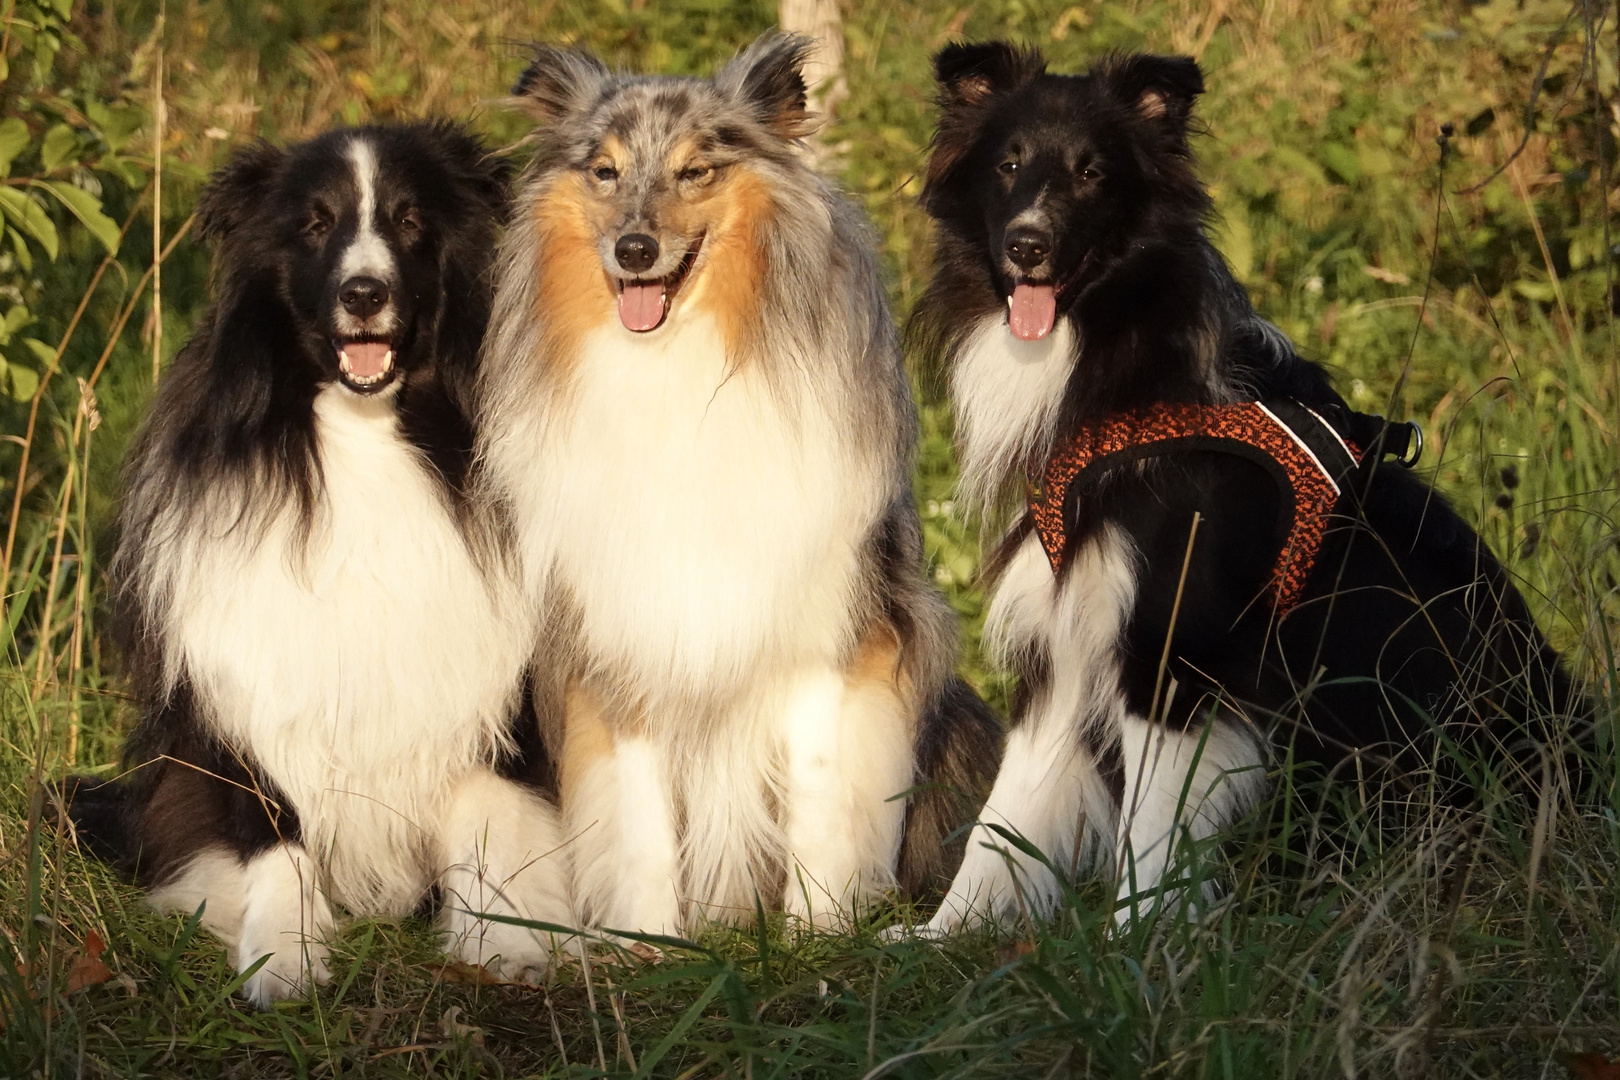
(1338, 948)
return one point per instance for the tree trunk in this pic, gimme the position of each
(824, 68)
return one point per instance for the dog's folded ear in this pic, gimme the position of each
(559, 81)
(768, 76)
(1159, 87)
(236, 190)
(969, 74)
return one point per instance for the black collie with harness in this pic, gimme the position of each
(1217, 564)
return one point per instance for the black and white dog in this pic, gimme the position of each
(327, 646)
(1079, 305)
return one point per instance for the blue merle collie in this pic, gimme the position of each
(696, 410)
(1076, 299)
(326, 643)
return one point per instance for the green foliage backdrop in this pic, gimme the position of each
(1475, 294)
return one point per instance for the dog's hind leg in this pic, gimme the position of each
(1180, 784)
(1049, 793)
(503, 849)
(849, 739)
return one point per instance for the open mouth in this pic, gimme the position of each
(644, 305)
(366, 365)
(1032, 305)
(1031, 310)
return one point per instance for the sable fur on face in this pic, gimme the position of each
(702, 178)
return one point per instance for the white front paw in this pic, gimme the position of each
(291, 969)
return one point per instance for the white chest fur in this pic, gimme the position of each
(704, 521)
(364, 666)
(1006, 394)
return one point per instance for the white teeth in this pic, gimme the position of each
(1009, 301)
(365, 380)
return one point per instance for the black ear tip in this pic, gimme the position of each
(960, 57)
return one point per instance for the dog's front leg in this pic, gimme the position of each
(1180, 784)
(504, 855)
(285, 916)
(1048, 792)
(619, 811)
(848, 737)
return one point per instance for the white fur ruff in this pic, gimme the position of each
(365, 667)
(706, 525)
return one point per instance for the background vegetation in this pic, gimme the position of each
(1474, 292)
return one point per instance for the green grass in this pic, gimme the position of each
(1341, 948)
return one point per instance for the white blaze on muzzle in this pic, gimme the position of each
(367, 255)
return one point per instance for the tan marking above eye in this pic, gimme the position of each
(604, 166)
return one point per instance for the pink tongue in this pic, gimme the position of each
(641, 307)
(1033, 309)
(366, 358)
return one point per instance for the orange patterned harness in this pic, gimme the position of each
(1307, 456)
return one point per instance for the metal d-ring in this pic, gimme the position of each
(1410, 459)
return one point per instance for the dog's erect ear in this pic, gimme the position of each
(768, 77)
(480, 171)
(968, 74)
(559, 81)
(236, 190)
(1159, 87)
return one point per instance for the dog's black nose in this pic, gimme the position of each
(362, 297)
(1028, 248)
(636, 252)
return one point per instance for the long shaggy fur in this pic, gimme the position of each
(326, 638)
(1074, 281)
(715, 512)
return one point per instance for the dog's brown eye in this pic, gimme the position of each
(1008, 168)
(1090, 173)
(318, 225)
(695, 173)
(409, 220)
(605, 173)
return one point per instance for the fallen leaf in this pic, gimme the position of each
(464, 974)
(1007, 954)
(88, 970)
(1592, 1067)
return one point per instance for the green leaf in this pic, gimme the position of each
(17, 318)
(25, 380)
(46, 354)
(123, 168)
(25, 258)
(1541, 291)
(64, 8)
(28, 216)
(115, 123)
(13, 141)
(87, 208)
(61, 146)
(1343, 161)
